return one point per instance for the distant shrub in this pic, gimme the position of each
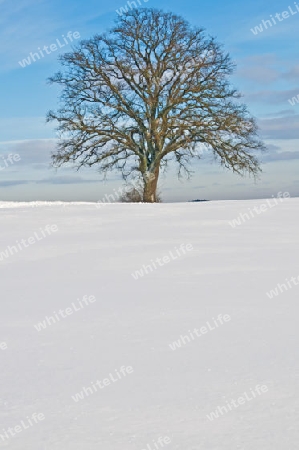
(134, 195)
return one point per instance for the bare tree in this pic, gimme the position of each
(153, 89)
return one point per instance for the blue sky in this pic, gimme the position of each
(267, 75)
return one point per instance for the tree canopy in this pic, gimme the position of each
(152, 89)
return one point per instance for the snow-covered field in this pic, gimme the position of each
(113, 355)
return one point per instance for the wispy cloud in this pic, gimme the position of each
(66, 179)
(25, 128)
(36, 151)
(271, 97)
(280, 128)
(63, 179)
(280, 156)
(282, 113)
(10, 183)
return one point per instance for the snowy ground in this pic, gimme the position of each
(164, 393)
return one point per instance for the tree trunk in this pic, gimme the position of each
(150, 179)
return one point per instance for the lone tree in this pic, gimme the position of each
(153, 89)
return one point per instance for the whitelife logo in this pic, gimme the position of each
(39, 235)
(48, 49)
(63, 313)
(199, 332)
(259, 390)
(257, 210)
(124, 9)
(112, 377)
(24, 425)
(160, 443)
(280, 288)
(279, 18)
(159, 262)
(3, 346)
(294, 100)
(9, 160)
(112, 198)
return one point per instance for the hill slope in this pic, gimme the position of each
(86, 290)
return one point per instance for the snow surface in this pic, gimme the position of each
(133, 322)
